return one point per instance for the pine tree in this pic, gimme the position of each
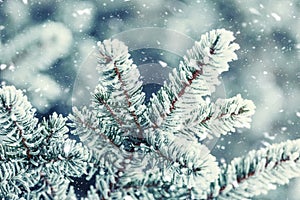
(132, 149)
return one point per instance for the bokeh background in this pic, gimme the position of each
(44, 44)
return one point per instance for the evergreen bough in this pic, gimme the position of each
(132, 149)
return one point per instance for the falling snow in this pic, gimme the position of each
(162, 63)
(254, 11)
(3, 66)
(276, 16)
(268, 136)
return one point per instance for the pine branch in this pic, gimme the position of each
(17, 122)
(54, 128)
(103, 149)
(50, 186)
(213, 119)
(11, 178)
(184, 91)
(186, 159)
(121, 86)
(92, 194)
(146, 177)
(154, 185)
(197, 76)
(47, 157)
(108, 159)
(258, 172)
